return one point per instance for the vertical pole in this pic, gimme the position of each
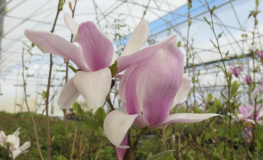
(2, 13)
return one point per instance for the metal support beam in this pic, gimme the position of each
(2, 12)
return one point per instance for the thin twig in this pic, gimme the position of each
(48, 89)
(98, 152)
(144, 12)
(97, 17)
(73, 144)
(32, 119)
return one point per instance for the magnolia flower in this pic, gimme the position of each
(246, 114)
(248, 79)
(237, 70)
(260, 54)
(150, 87)
(93, 57)
(9, 139)
(16, 150)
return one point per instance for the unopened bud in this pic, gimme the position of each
(70, 5)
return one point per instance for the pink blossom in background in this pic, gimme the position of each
(248, 79)
(247, 113)
(153, 83)
(260, 54)
(237, 70)
(247, 133)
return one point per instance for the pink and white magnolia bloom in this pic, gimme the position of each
(93, 58)
(246, 114)
(13, 141)
(16, 149)
(150, 87)
(9, 139)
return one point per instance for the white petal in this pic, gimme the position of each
(137, 38)
(250, 120)
(15, 153)
(254, 94)
(183, 90)
(25, 146)
(71, 24)
(68, 95)
(17, 132)
(14, 140)
(116, 125)
(93, 86)
(188, 118)
(114, 57)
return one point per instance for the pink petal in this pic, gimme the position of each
(137, 38)
(183, 90)
(120, 152)
(142, 55)
(161, 81)
(93, 86)
(96, 47)
(51, 43)
(187, 118)
(68, 95)
(127, 89)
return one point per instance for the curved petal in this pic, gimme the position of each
(120, 152)
(183, 90)
(51, 43)
(15, 153)
(96, 47)
(17, 132)
(127, 89)
(137, 38)
(187, 118)
(249, 120)
(68, 95)
(71, 24)
(161, 82)
(93, 86)
(25, 146)
(144, 54)
(116, 126)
